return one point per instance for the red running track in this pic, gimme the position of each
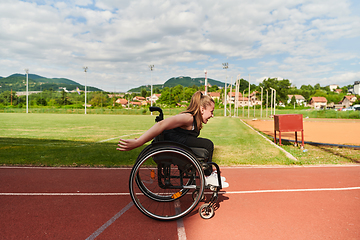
(318, 202)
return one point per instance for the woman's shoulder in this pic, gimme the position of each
(185, 116)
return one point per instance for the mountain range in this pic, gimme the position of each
(184, 81)
(17, 83)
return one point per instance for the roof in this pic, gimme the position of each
(233, 94)
(297, 97)
(214, 94)
(135, 103)
(121, 101)
(138, 98)
(318, 99)
(349, 97)
(243, 99)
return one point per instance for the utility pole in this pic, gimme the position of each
(206, 82)
(27, 90)
(261, 101)
(230, 95)
(267, 98)
(237, 96)
(249, 99)
(85, 70)
(225, 66)
(151, 92)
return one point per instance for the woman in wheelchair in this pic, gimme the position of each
(183, 128)
(170, 175)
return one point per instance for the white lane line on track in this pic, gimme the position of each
(64, 194)
(292, 190)
(222, 192)
(222, 167)
(108, 223)
(180, 224)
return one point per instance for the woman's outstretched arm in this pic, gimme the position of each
(180, 120)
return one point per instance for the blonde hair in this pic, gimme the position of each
(198, 100)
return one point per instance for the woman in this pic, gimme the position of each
(183, 128)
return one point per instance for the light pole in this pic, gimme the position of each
(225, 66)
(274, 101)
(267, 98)
(273, 90)
(85, 70)
(261, 101)
(243, 103)
(230, 97)
(237, 95)
(271, 101)
(206, 81)
(249, 99)
(151, 91)
(27, 90)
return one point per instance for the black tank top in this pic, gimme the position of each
(180, 135)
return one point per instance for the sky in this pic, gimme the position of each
(305, 41)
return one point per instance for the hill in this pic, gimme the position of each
(17, 83)
(184, 81)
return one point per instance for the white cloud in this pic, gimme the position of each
(117, 40)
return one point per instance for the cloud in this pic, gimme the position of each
(117, 40)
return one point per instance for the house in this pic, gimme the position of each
(318, 102)
(357, 87)
(333, 87)
(253, 99)
(138, 98)
(332, 105)
(231, 96)
(145, 103)
(244, 101)
(214, 95)
(122, 101)
(136, 103)
(300, 100)
(338, 90)
(154, 97)
(347, 101)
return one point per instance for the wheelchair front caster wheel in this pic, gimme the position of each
(206, 211)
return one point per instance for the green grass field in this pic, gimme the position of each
(91, 140)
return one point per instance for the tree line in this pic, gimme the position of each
(170, 97)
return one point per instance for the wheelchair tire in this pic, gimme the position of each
(162, 182)
(206, 211)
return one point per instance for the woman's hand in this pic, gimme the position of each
(128, 144)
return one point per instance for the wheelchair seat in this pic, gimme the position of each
(201, 153)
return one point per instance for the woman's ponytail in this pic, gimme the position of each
(197, 100)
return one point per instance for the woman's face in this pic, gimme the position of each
(207, 112)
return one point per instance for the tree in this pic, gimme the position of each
(293, 100)
(213, 88)
(41, 101)
(281, 86)
(99, 100)
(143, 92)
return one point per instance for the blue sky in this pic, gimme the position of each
(305, 41)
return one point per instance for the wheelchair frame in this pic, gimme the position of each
(167, 180)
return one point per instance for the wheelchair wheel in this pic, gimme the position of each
(162, 182)
(206, 211)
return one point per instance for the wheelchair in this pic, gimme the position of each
(167, 180)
